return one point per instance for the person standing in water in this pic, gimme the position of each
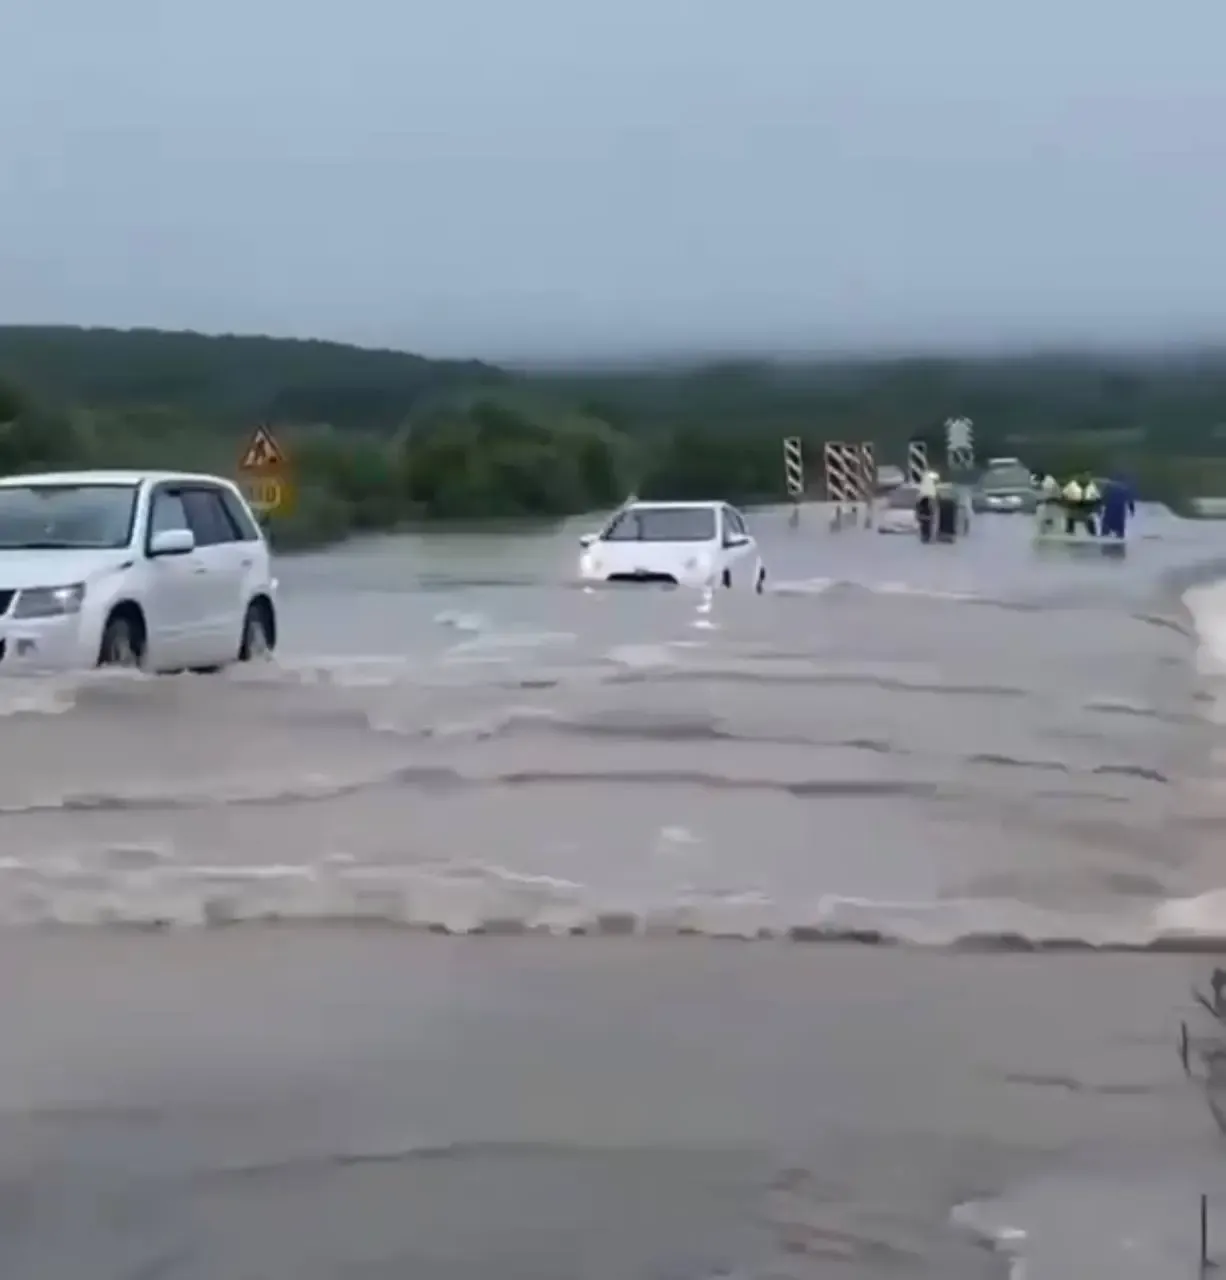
(1119, 502)
(926, 504)
(1081, 498)
(1091, 499)
(1072, 497)
(1049, 502)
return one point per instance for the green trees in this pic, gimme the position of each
(499, 457)
(378, 438)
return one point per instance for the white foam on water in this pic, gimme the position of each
(150, 885)
(818, 586)
(1204, 915)
(1207, 605)
(980, 1219)
(1091, 1226)
(801, 586)
(911, 589)
(348, 671)
(642, 656)
(459, 621)
(501, 648)
(208, 888)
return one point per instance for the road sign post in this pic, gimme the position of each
(263, 474)
(959, 444)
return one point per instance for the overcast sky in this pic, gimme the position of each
(537, 178)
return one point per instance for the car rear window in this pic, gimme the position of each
(1008, 475)
(662, 524)
(903, 497)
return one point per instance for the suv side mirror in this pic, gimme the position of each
(587, 539)
(172, 542)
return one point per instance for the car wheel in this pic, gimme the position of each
(123, 642)
(726, 578)
(257, 637)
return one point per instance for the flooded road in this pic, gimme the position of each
(946, 746)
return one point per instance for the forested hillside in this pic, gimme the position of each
(231, 378)
(385, 436)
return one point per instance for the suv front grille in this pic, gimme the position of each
(6, 599)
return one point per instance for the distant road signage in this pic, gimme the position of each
(263, 473)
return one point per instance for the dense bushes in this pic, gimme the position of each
(380, 438)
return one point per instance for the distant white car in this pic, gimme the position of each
(898, 513)
(692, 544)
(154, 569)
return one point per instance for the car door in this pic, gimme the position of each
(174, 607)
(737, 554)
(224, 561)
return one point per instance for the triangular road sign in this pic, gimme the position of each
(263, 452)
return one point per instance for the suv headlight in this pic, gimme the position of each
(49, 602)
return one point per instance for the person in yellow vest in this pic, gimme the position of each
(1091, 499)
(1081, 499)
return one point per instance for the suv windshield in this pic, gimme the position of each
(662, 524)
(70, 516)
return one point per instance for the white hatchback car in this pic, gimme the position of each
(161, 570)
(692, 544)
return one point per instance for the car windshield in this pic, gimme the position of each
(44, 516)
(1008, 475)
(662, 524)
(903, 497)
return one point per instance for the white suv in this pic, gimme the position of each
(157, 569)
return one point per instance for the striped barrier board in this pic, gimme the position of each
(794, 467)
(868, 479)
(868, 471)
(851, 479)
(844, 467)
(917, 461)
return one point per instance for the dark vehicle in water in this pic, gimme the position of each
(1005, 486)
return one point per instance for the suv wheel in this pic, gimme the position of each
(122, 644)
(257, 643)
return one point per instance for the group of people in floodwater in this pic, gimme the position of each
(1102, 510)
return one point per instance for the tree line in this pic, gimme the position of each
(380, 438)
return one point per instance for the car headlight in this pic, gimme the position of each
(49, 602)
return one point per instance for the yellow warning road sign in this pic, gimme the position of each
(266, 495)
(264, 473)
(263, 453)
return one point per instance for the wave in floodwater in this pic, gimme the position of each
(885, 759)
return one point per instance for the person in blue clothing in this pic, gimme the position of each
(1119, 502)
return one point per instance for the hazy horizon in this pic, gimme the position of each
(1154, 351)
(559, 182)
